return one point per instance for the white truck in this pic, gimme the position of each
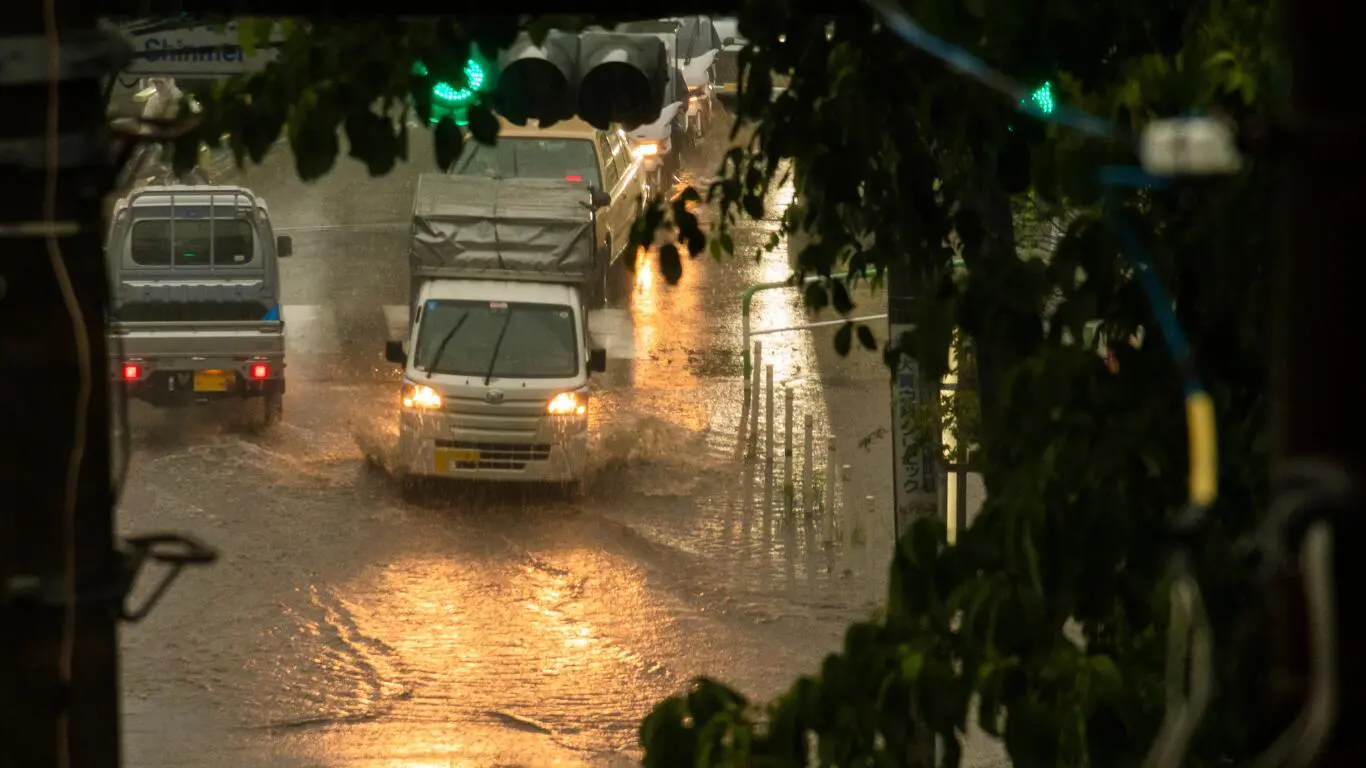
(497, 361)
(195, 313)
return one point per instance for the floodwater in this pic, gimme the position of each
(347, 623)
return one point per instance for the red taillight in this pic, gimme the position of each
(132, 371)
(573, 178)
(260, 371)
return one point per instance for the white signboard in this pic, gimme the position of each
(203, 51)
(914, 470)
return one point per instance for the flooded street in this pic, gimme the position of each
(350, 624)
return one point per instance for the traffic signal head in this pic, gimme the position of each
(1041, 99)
(449, 100)
(621, 78)
(538, 82)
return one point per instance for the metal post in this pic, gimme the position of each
(48, 552)
(768, 444)
(755, 390)
(832, 469)
(848, 513)
(788, 484)
(808, 425)
(768, 421)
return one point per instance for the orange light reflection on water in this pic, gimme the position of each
(668, 343)
(790, 353)
(527, 638)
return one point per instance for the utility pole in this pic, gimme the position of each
(42, 721)
(1318, 379)
(915, 460)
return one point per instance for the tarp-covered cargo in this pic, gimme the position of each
(518, 229)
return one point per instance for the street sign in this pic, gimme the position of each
(202, 51)
(914, 470)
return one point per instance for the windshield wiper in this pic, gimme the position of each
(440, 348)
(497, 345)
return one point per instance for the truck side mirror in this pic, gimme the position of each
(597, 360)
(284, 246)
(393, 352)
(599, 199)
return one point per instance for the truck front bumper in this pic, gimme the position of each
(429, 447)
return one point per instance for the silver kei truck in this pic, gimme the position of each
(195, 315)
(497, 361)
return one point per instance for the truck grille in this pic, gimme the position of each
(512, 456)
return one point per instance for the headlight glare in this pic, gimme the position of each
(420, 397)
(567, 404)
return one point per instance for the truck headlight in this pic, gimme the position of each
(567, 404)
(647, 149)
(420, 397)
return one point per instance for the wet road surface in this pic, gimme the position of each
(347, 626)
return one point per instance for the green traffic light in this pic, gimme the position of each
(1042, 99)
(448, 98)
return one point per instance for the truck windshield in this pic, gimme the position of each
(228, 242)
(524, 157)
(541, 341)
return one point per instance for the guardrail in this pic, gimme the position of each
(747, 303)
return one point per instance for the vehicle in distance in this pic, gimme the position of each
(575, 153)
(195, 313)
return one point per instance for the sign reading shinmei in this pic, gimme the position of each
(195, 51)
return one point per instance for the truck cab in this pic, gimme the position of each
(497, 361)
(195, 313)
(496, 386)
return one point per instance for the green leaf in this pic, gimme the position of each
(1106, 681)
(710, 698)
(844, 304)
(253, 32)
(646, 226)
(449, 142)
(665, 737)
(844, 338)
(313, 137)
(670, 263)
(483, 124)
(753, 206)
(865, 337)
(690, 232)
(371, 139)
(815, 297)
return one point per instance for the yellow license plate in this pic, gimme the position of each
(450, 459)
(212, 381)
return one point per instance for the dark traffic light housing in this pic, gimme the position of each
(622, 79)
(603, 77)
